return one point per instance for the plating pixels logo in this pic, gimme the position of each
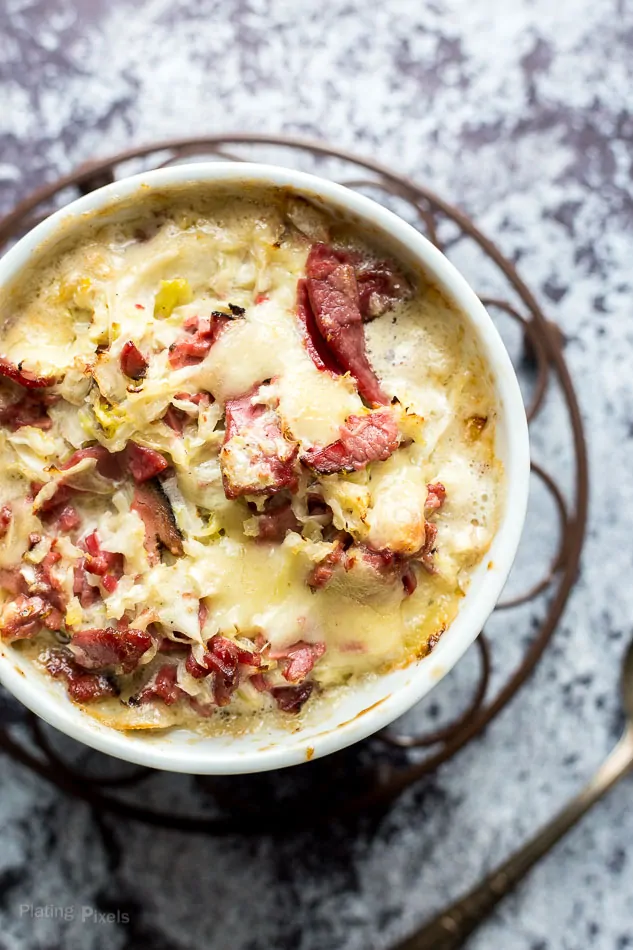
(86, 914)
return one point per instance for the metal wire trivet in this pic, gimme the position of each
(374, 773)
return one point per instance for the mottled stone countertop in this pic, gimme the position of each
(521, 113)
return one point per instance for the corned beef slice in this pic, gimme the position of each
(23, 377)
(335, 301)
(30, 410)
(251, 459)
(152, 505)
(316, 346)
(363, 439)
(133, 363)
(82, 686)
(100, 648)
(200, 333)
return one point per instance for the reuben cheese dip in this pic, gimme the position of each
(247, 459)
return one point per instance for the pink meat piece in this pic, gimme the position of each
(23, 617)
(30, 410)
(436, 496)
(321, 573)
(383, 561)
(23, 377)
(82, 588)
(176, 419)
(271, 472)
(56, 511)
(363, 439)
(314, 343)
(12, 581)
(152, 506)
(133, 363)
(298, 660)
(224, 658)
(335, 301)
(144, 463)
(51, 508)
(274, 522)
(107, 565)
(409, 580)
(200, 333)
(195, 669)
(104, 647)
(6, 516)
(83, 687)
(163, 686)
(49, 587)
(259, 682)
(425, 556)
(108, 463)
(67, 519)
(167, 645)
(291, 699)
(198, 399)
(39, 602)
(101, 562)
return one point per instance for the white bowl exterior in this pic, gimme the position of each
(373, 704)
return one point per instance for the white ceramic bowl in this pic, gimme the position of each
(369, 706)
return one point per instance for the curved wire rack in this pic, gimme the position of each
(377, 771)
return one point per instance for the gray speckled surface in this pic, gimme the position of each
(521, 113)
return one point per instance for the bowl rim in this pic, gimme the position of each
(479, 602)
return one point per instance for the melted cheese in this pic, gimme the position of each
(313, 404)
(395, 518)
(100, 293)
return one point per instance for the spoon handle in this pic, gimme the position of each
(455, 923)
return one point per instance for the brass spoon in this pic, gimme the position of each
(450, 929)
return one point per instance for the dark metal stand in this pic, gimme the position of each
(372, 774)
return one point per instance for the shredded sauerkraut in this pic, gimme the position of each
(244, 459)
